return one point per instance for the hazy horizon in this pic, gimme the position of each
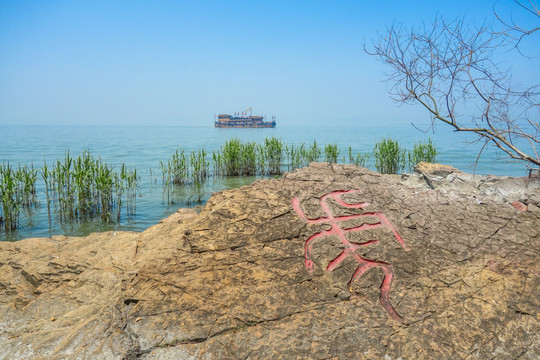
(177, 63)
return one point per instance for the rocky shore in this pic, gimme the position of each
(328, 262)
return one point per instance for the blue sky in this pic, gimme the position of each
(180, 62)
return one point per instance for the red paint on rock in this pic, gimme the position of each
(349, 246)
(520, 206)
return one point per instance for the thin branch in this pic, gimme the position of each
(450, 66)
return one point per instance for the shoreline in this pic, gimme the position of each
(522, 192)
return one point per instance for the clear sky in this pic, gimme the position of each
(180, 62)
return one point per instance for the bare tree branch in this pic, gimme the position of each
(514, 31)
(451, 71)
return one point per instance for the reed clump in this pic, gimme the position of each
(312, 153)
(358, 159)
(232, 157)
(187, 170)
(76, 188)
(85, 187)
(274, 154)
(218, 162)
(249, 159)
(331, 153)
(17, 192)
(422, 151)
(389, 156)
(199, 172)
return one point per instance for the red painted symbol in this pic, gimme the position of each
(350, 246)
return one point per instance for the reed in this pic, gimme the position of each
(9, 217)
(85, 187)
(274, 152)
(331, 153)
(422, 152)
(26, 178)
(289, 150)
(45, 174)
(17, 192)
(179, 168)
(217, 161)
(358, 159)
(188, 171)
(262, 159)
(312, 153)
(270, 157)
(166, 178)
(199, 165)
(232, 162)
(294, 155)
(131, 187)
(249, 158)
(199, 172)
(126, 186)
(389, 156)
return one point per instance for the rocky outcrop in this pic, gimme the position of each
(330, 261)
(524, 190)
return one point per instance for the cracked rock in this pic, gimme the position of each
(395, 268)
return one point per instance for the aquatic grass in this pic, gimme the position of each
(289, 150)
(130, 184)
(183, 170)
(231, 153)
(294, 155)
(331, 153)
(249, 158)
(179, 168)
(311, 153)
(26, 179)
(358, 159)
(45, 174)
(271, 157)
(262, 159)
(389, 156)
(9, 217)
(166, 178)
(274, 153)
(17, 192)
(199, 172)
(217, 161)
(422, 152)
(85, 187)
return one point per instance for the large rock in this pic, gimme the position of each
(390, 270)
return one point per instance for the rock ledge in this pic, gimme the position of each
(331, 261)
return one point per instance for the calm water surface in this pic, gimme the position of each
(144, 147)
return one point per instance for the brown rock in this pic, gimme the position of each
(234, 281)
(435, 169)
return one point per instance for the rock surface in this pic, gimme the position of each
(458, 263)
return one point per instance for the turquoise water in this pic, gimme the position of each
(144, 147)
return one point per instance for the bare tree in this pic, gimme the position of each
(512, 29)
(451, 70)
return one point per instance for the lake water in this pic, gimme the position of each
(144, 147)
